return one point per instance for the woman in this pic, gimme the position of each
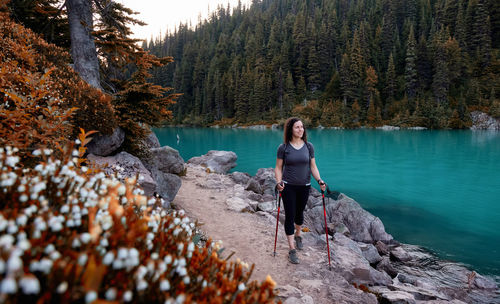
(294, 165)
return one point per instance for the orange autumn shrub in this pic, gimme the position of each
(66, 237)
(42, 100)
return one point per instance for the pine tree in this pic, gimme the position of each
(481, 34)
(411, 76)
(390, 80)
(313, 70)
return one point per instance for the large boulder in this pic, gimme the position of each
(240, 177)
(482, 121)
(125, 165)
(263, 182)
(353, 265)
(168, 184)
(216, 161)
(104, 145)
(164, 159)
(151, 141)
(362, 226)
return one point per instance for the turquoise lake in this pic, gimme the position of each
(436, 189)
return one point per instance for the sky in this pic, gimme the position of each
(161, 15)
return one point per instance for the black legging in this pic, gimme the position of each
(294, 200)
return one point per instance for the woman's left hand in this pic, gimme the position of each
(322, 186)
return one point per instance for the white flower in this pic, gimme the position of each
(29, 284)
(91, 296)
(21, 188)
(155, 256)
(180, 299)
(49, 249)
(168, 259)
(24, 245)
(164, 285)
(127, 296)
(56, 226)
(108, 258)
(111, 294)
(64, 209)
(8, 286)
(62, 287)
(45, 265)
(177, 221)
(141, 285)
(14, 263)
(82, 259)
(241, 287)
(191, 247)
(2, 266)
(11, 161)
(85, 237)
(118, 264)
(76, 243)
(122, 253)
(133, 253)
(23, 198)
(186, 280)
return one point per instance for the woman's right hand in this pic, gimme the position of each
(280, 186)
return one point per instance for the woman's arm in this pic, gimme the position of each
(278, 173)
(315, 174)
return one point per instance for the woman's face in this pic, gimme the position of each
(298, 129)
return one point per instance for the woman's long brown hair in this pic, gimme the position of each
(288, 130)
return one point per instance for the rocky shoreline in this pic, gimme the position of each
(480, 121)
(363, 253)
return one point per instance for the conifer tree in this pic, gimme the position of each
(411, 76)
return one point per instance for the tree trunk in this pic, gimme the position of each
(83, 48)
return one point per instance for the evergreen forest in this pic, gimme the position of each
(345, 63)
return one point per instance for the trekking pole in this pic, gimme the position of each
(277, 223)
(326, 230)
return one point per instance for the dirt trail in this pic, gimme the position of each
(250, 236)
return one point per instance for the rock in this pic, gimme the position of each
(168, 184)
(265, 178)
(484, 283)
(257, 127)
(266, 206)
(216, 161)
(151, 141)
(382, 248)
(164, 159)
(126, 165)
(400, 255)
(288, 291)
(385, 265)
(397, 297)
(304, 300)
(253, 185)
(353, 266)
(240, 177)
(363, 226)
(370, 253)
(482, 121)
(254, 196)
(388, 128)
(338, 228)
(104, 145)
(237, 204)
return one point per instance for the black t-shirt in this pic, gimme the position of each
(297, 163)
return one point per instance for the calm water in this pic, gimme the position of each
(437, 189)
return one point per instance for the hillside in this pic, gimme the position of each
(337, 63)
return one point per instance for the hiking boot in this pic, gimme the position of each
(292, 256)
(298, 243)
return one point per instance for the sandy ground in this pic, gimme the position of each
(249, 236)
